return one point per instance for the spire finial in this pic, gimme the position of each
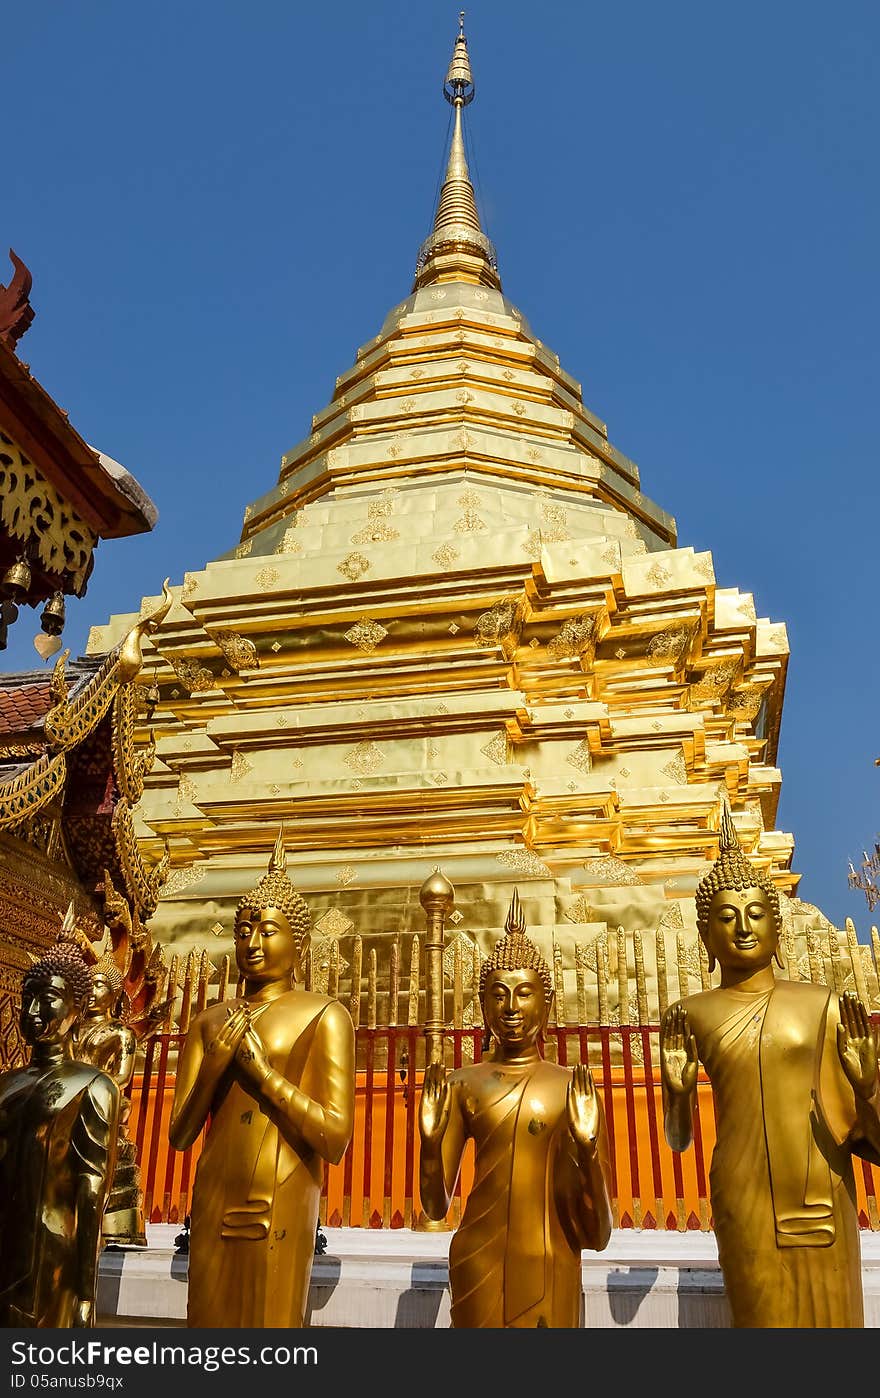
(458, 249)
(459, 85)
(516, 922)
(278, 860)
(729, 840)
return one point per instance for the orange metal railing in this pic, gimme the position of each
(376, 1183)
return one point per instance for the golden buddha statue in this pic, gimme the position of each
(794, 1076)
(108, 1041)
(58, 1121)
(540, 1190)
(275, 1073)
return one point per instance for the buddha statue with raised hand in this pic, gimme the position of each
(108, 1041)
(274, 1072)
(540, 1191)
(58, 1125)
(793, 1069)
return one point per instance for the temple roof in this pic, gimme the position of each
(23, 702)
(105, 494)
(58, 495)
(69, 764)
(26, 698)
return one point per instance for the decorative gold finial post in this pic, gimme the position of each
(457, 249)
(458, 88)
(437, 897)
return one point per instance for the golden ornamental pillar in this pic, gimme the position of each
(437, 897)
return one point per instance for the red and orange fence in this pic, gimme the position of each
(375, 1185)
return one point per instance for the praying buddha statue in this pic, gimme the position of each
(58, 1125)
(793, 1069)
(540, 1190)
(274, 1073)
(108, 1040)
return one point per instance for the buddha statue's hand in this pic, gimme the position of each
(435, 1104)
(678, 1052)
(582, 1109)
(857, 1045)
(251, 1058)
(82, 1316)
(220, 1050)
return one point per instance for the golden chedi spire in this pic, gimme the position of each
(458, 249)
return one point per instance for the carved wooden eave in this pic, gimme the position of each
(58, 495)
(130, 763)
(16, 312)
(67, 724)
(91, 769)
(32, 788)
(112, 504)
(98, 823)
(70, 721)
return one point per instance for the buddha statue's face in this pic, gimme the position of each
(103, 995)
(515, 1007)
(741, 931)
(48, 1010)
(265, 947)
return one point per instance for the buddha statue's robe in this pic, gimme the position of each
(258, 1184)
(58, 1128)
(781, 1181)
(515, 1259)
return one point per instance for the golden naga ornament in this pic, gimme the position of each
(58, 1125)
(275, 1072)
(793, 1069)
(540, 1190)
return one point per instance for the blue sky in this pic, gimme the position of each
(220, 201)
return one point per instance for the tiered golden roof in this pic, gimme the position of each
(457, 632)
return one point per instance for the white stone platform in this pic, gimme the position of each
(397, 1278)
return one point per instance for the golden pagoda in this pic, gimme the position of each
(455, 632)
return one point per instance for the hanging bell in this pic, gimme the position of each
(52, 616)
(151, 698)
(16, 581)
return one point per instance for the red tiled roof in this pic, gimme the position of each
(22, 705)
